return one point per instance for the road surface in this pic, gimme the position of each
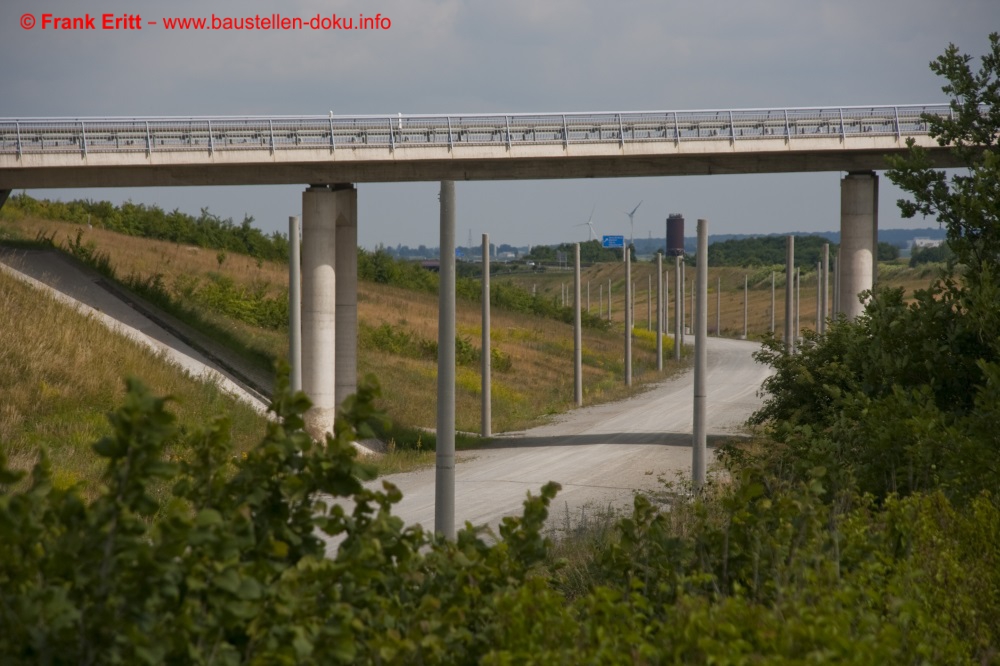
(600, 455)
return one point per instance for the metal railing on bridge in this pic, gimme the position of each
(212, 134)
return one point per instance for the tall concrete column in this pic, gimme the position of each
(856, 259)
(659, 312)
(444, 479)
(825, 288)
(678, 309)
(628, 319)
(649, 302)
(666, 300)
(319, 298)
(577, 331)
(699, 438)
(295, 302)
(746, 310)
(789, 293)
(486, 351)
(798, 305)
(682, 294)
(772, 302)
(836, 287)
(819, 297)
(718, 307)
(346, 269)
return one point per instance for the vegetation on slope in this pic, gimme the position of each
(62, 373)
(242, 302)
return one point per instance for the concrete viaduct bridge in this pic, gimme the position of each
(331, 154)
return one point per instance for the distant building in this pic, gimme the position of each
(923, 242)
(675, 235)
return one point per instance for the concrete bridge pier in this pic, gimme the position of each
(858, 234)
(327, 212)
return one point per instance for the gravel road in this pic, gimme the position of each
(599, 454)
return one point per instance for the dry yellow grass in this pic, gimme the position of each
(759, 303)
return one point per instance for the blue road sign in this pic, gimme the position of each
(613, 242)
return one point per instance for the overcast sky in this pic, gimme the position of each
(470, 56)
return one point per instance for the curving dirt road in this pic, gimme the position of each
(599, 454)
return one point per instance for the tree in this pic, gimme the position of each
(968, 204)
(899, 400)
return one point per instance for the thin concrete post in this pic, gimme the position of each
(295, 302)
(836, 288)
(772, 302)
(666, 299)
(631, 312)
(693, 311)
(649, 302)
(819, 296)
(577, 331)
(746, 309)
(825, 288)
(681, 298)
(487, 353)
(444, 480)
(588, 296)
(609, 299)
(319, 311)
(699, 443)
(789, 293)
(718, 307)
(857, 256)
(659, 312)
(628, 319)
(347, 291)
(600, 313)
(678, 308)
(798, 304)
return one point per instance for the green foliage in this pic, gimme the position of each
(222, 559)
(767, 251)
(896, 402)
(206, 230)
(228, 565)
(886, 251)
(389, 339)
(382, 268)
(247, 303)
(967, 204)
(928, 255)
(590, 252)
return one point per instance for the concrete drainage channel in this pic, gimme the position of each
(77, 285)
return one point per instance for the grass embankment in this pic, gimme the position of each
(533, 374)
(62, 372)
(549, 284)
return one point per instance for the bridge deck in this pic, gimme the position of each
(102, 152)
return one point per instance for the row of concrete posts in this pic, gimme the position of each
(323, 313)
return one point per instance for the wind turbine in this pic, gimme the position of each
(631, 223)
(589, 223)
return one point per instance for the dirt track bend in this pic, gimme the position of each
(599, 454)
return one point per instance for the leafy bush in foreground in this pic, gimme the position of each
(223, 560)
